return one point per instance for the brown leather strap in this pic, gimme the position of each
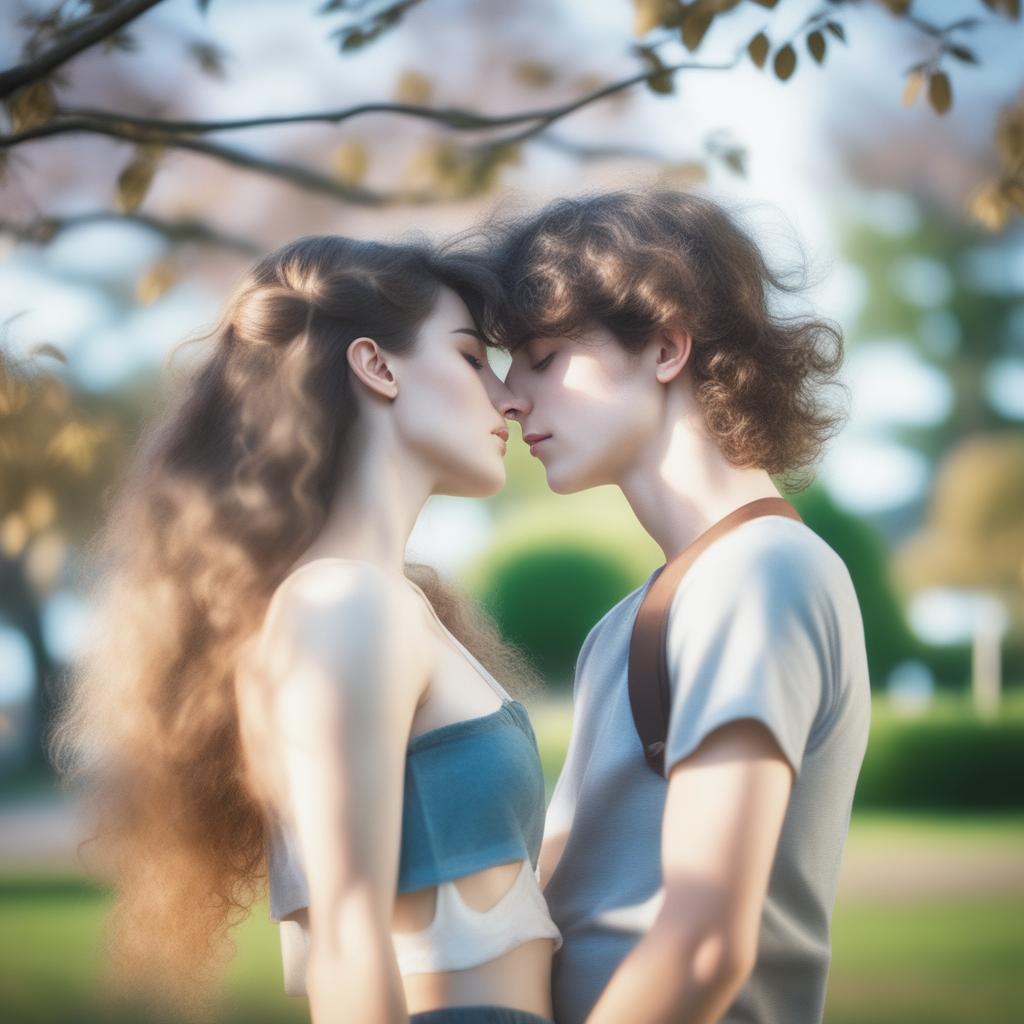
(649, 690)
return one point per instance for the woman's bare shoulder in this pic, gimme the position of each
(352, 617)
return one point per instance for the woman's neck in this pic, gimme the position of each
(374, 510)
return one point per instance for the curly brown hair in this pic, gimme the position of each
(636, 262)
(226, 489)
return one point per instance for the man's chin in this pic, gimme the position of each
(561, 483)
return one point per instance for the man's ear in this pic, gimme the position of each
(369, 364)
(672, 350)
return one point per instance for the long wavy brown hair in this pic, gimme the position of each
(227, 486)
(637, 261)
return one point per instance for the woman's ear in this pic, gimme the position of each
(370, 365)
(672, 350)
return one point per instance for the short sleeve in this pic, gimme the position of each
(748, 637)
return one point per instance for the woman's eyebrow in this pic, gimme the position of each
(469, 330)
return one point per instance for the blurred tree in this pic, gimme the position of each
(974, 538)
(947, 291)
(944, 287)
(58, 452)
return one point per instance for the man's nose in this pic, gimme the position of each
(513, 406)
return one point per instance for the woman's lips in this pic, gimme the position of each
(537, 443)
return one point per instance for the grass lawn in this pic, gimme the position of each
(926, 929)
(938, 961)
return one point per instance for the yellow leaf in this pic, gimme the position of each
(351, 162)
(988, 208)
(44, 560)
(76, 445)
(13, 535)
(1013, 192)
(13, 395)
(1010, 133)
(39, 509)
(686, 172)
(53, 394)
(134, 181)
(647, 14)
(155, 282)
(913, 87)
(413, 87)
(31, 106)
(534, 73)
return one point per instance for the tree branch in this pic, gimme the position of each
(93, 29)
(292, 173)
(42, 229)
(72, 118)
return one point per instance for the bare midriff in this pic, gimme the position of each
(520, 978)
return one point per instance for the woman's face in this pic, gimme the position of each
(451, 406)
(593, 402)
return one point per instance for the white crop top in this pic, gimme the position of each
(458, 936)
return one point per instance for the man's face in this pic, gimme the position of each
(593, 403)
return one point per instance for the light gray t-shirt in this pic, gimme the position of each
(764, 625)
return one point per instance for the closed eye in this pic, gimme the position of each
(474, 361)
(544, 362)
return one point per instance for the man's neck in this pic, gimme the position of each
(684, 485)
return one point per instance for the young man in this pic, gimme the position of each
(645, 354)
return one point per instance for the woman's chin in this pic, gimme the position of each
(485, 484)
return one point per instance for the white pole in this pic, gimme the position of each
(986, 659)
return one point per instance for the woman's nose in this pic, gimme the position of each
(512, 406)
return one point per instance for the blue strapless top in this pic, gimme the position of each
(474, 797)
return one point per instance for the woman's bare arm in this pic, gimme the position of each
(349, 666)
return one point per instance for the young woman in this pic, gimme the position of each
(270, 686)
(649, 353)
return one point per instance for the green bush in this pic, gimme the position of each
(546, 597)
(944, 760)
(887, 635)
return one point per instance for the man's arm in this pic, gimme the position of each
(550, 853)
(724, 810)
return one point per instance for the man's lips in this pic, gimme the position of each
(533, 440)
